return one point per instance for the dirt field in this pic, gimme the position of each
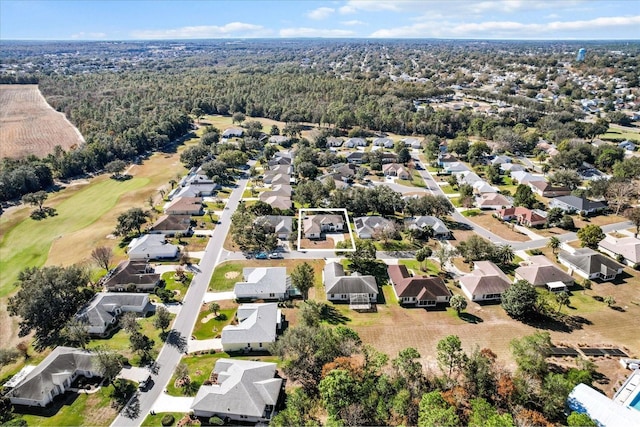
(28, 124)
(498, 227)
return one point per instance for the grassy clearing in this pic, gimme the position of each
(447, 189)
(212, 327)
(76, 410)
(417, 180)
(174, 285)
(432, 268)
(615, 134)
(28, 243)
(156, 420)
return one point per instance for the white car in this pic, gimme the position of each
(276, 255)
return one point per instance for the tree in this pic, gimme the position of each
(422, 254)
(302, 278)
(460, 146)
(566, 178)
(450, 354)
(363, 258)
(23, 347)
(531, 352)
(524, 197)
(576, 419)
(131, 220)
(562, 298)
(129, 322)
(162, 319)
(47, 299)
(102, 256)
(36, 199)
(633, 215)
(238, 117)
(483, 414)
(108, 364)
(435, 411)
(620, 194)
(590, 236)
(297, 411)
(214, 307)
(504, 254)
(193, 156)
(115, 167)
(75, 333)
(480, 376)
(408, 367)
(140, 343)
(339, 389)
(519, 300)
(609, 300)
(443, 253)
(477, 151)
(404, 155)
(458, 303)
(554, 244)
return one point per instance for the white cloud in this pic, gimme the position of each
(510, 29)
(88, 36)
(321, 13)
(232, 29)
(353, 22)
(315, 32)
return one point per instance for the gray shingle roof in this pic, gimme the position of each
(542, 271)
(262, 281)
(335, 281)
(486, 278)
(258, 323)
(101, 309)
(590, 261)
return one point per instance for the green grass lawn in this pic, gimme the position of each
(615, 134)
(416, 182)
(221, 283)
(396, 245)
(213, 327)
(28, 243)
(432, 267)
(447, 189)
(199, 366)
(76, 410)
(119, 342)
(156, 420)
(174, 285)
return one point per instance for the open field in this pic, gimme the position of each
(29, 125)
(499, 228)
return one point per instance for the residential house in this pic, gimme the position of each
(138, 274)
(281, 225)
(233, 133)
(395, 169)
(627, 248)
(102, 312)
(500, 160)
(242, 391)
(511, 167)
(482, 187)
(355, 142)
(52, 377)
(383, 142)
(388, 157)
(493, 201)
(591, 264)
(197, 178)
(418, 291)
(169, 225)
(258, 325)
(522, 177)
(195, 190)
(263, 283)
(357, 157)
(628, 145)
(604, 411)
(279, 139)
(185, 206)
(282, 169)
(281, 158)
(334, 142)
(545, 189)
(485, 283)
(468, 177)
(444, 158)
(278, 197)
(573, 204)
(277, 179)
(412, 142)
(540, 271)
(367, 227)
(360, 291)
(522, 215)
(343, 171)
(454, 167)
(151, 246)
(440, 230)
(314, 225)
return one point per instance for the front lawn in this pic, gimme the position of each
(156, 420)
(432, 268)
(199, 367)
(172, 284)
(212, 327)
(74, 409)
(417, 180)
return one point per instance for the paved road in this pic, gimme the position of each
(176, 344)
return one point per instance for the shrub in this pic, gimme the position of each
(168, 420)
(216, 421)
(8, 355)
(619, 258)
(221, 316)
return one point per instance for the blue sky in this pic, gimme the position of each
(460, 19)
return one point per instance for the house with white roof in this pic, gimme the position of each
(258, 325)
(242, 390)
(628, 248)
(265, 283)
(485, 283)
(151, 246)
(360, 291)
(102, 312)
(368, 226)
(440, 230)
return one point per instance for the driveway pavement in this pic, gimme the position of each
(133, 373)
(203, 345)
(166, 403)
(218, 296)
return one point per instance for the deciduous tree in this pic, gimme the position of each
(519, 300)
(102, 256)
(131, 220)
(36, 199)
(590, 236)
(162, 319)
(302, 278)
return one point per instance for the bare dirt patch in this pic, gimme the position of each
(29, 125)
(498, 227)
(326, 243)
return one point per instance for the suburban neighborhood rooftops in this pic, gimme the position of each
(486, 278)
(171, 222)
(580, 203)
(257, 323)
(131, 272)
(101, 310)
(540, 271)
(628, 247)
(590, 261)
(421, 287)
(262, 281)
(336, 282)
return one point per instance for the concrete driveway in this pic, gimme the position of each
(204, 345)
(219, 296)
(133, 373)
(166, 403)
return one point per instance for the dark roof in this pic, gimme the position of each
(172, 222)
(335, 281)
(131, 272)
(581, 203)
(590, 261)
(421, 287)
(101, 310)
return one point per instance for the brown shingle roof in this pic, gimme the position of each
(421, 287)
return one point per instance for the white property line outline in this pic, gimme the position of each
(346, 216)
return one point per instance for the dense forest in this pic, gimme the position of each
(148, 94)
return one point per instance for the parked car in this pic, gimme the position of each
(276, 255)
(261, 255)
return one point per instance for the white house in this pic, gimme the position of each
(233, 133)
(257, 327)
(243, 390)
(368, 226)
(485, 283)
(626, 247)
(266, 283)
(151, 246)
(53, 376)
(591, 264)
(314, 225)
(440, 230)
(103, 310)
(360, 291)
